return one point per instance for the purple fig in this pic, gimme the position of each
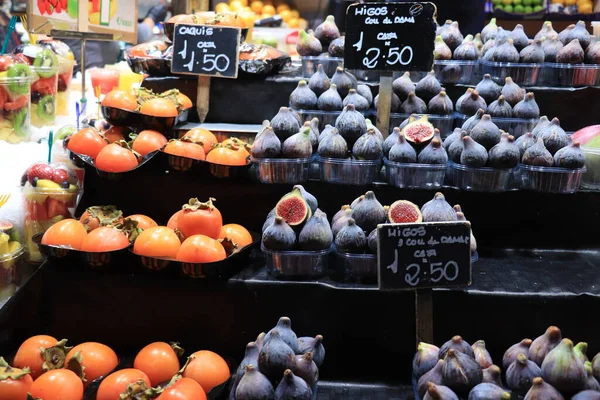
(543, 344)
(513, 351)
(482, 356)
(563, 370)
(461, 372)
(520, 374)
(541, 390)
(492, 374)
(425, 359)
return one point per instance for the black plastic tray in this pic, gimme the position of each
(119, 117)
(202, 167)
(112, 175)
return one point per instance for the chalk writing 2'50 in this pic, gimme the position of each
(394, 56)
(448, 272)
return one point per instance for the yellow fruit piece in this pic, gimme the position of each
(507, 2)
(295, 14)
(222, 8)
(586, 8)
(294, 23)
(285, 15)
(235, 5)
(13, 246)
(47, 184)
(4, 238)
(570, 2)
(269, 9)
(257, 6)
(282, 7)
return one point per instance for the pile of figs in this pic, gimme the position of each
(279, 365)
(325, 40)
(286, 136)
(547, 368)
(415, 141)
(425, 96)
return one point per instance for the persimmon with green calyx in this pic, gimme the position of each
(159, 241)
(227, 155)
(117, 157)
(148, 141)
(104, 238)
(159, 361)
(200, 218)
(58, 384)
(201, 249)
(182, 388)
(201, 136)
(97, 216)
(143, 221)
(128, 383)
(91, 361)
(88, 142)
(14, 382)
(67, 233)
(185, 148)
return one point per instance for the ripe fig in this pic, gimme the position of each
(505, 52)
(319, 82)
(402, 86)
(292, 387)
(471, 104)
(576, 31)
(327, 31)
(513, 351)
(460, 216)
(451, 34)
(390, 141)
(306, 368)
(520, 374)
(333, 146)
(438, 210)
(533, 53)
(543, 122)
(341, 222)
(302, 98)
(365, 92)
(369, 212)
(519, 37)
(254, 385)
(344, 81)
(489, 31)
(456, 148)
(461, 372)
(285, 332)
(488, 89)
(441, 51)
(351, 238)
(512, 92)
(403, 212)
(250, 358)
(279, 236)
(372, 241)
(488, 391)
(457, 342)
(551, 46)
(473, 155)
(351, 125)
(266, 145)
(413, 105)
(433, 153)
(275, 356)
(596, 366)
(314, 132)
(587, 395)
(441, 104)
(395, 102)
(356, 201)
(543, 344)
(428, 87)
(285, 124)
(570, 156)
(493, 375)
(293, 207)
(524, 142)
(373, 127)
(505, 154)
(308, 45)
(546, 31)
(360, 103)
(368, 146)
(419, 131)
(554, 137)
(527, 108)
(455, 135)
(298, 145)
(336, 47)
(486, 132)
(425, 358)
(538, 155)
(478, 44)
(467, 51)
(472, 121)
(562, 369)
(314, 346)
(482, 356)
(572, 53)
(591, 382)
(340, 213)
(439, 392)
(402, 151)
(330, 100)
(433, 375)
(592, 53)
(315, 235)
(500, 108)
(269, 220)
(327, 131)
(540, 390)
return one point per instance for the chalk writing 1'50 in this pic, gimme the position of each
(394, 56)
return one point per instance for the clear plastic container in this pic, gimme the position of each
(591, 179)
(523, 74)
(15, 119)
(297, 264)
(282, 170)
(65, 77)
(356, 267)
(11, 267)
(44, 89)
(514, 126)
(445, 123)
(415, 176)
(347, 171)
(570, 75)
(330, 64)
(456, 71)
(325, 117)
(479, 179)
(549, 179)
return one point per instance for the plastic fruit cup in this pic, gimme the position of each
(65, 77)
(15, 111)
(129, 80)
(107, 79)
(43, 208)
(44, 87)
(11, 268)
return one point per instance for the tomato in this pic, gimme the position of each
(116, 383)
(29, 354)
(159, 361)
(97, 359)
(96, 216)
(144, 222)
(159, 241)
(174, 220)
(120, 99)
(159, 107)
(116, 158)
(183, 389)
(148, 141)
(201, 135)
(185, 149)
(66, 233)
(201, 249)
(116, 133)
(58, 384)
(237, 233)
(226, 156)
(88, 142)
(208, 369)
(104, 238)
(184, 101)
(238, 145)
(14, 383)
(200, 218)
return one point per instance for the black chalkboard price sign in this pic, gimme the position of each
(424, 255)
(390, 36)
(205, 50)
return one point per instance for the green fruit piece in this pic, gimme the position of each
(19, 71)
(499, 7)
(46, 63)
(19, 122)
(63, 132)
(593, 143)
(528, 9)
(537, 8)
(46, 108)
(519, 9)
(527, 2)
(508, 8)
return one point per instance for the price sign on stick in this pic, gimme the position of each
(205, 50)
(424, 255)
(390, 36)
